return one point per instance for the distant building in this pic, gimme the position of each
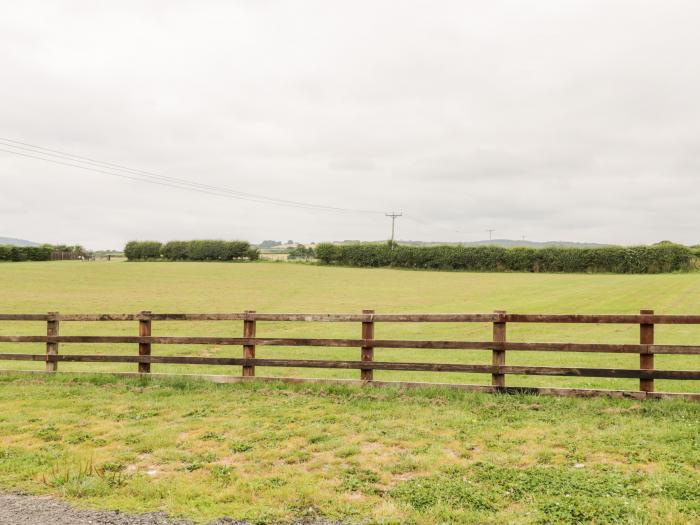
(273, 256)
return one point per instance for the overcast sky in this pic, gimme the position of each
(556, 120)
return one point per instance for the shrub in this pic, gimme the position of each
(327, 253)
(39, 253)
(142, 250)
(174, 250)
(26, 253)
(17, 254)
(132, 250)
(235, 250)
(205, 250)
(663, 257)
(196, 250)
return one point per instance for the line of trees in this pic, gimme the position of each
(25, 253)
(658, 258)
(196, 250)
(38, 253)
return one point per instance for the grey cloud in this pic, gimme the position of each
(571, 120)
(353, 164)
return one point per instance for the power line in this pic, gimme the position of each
(183, 182)
(209, 192)
(490, 230)
(118, 170)
(64, 158)
(144, 176)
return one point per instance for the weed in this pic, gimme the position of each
(298, 456)
(136, 414)
(48, 433)
(211, 436)
(534, 482)
(198, 412)
(357, 479)
(347, 452)
(240, 447)
(270, 483)
(113, 466)
(222, 474)
(684, 489)
(579, 510)
(319, 438)
(80, 437)
(545, 457)
(405, 463)
(424, 493)
(83, 480)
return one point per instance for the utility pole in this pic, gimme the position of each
(491, 230)
(393, 216)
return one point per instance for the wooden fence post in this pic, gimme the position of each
(646, 360)
(249, 350)
(52, 325)
(367, 353)
(145, 348)
(499, 356)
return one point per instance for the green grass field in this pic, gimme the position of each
(267, 452)
(78, 287)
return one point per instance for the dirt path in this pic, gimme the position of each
(18, 509)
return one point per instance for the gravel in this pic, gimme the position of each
(20, 509)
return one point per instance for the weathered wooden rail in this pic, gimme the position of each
(499, 346)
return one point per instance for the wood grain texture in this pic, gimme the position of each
(367, 350)
(144, 348)
(376, 343)
(377, 318)
(498, 354)
(52, 330)
(646, 359)
(249, 330)
(373, 365)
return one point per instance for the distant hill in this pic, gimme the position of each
(17, 242)
(507, 243)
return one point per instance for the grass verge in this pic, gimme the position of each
(271, 451)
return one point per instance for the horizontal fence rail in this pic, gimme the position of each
(375, 343)
(498, 345)
(377, 318)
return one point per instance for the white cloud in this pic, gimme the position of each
(573, 120)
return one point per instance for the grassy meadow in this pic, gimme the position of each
(101, 287)
(278, 452)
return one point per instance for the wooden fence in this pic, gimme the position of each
(499, 346)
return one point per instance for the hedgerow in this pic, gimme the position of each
(25, 253)
(142, 250)
(195, 250)
(659, 258)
